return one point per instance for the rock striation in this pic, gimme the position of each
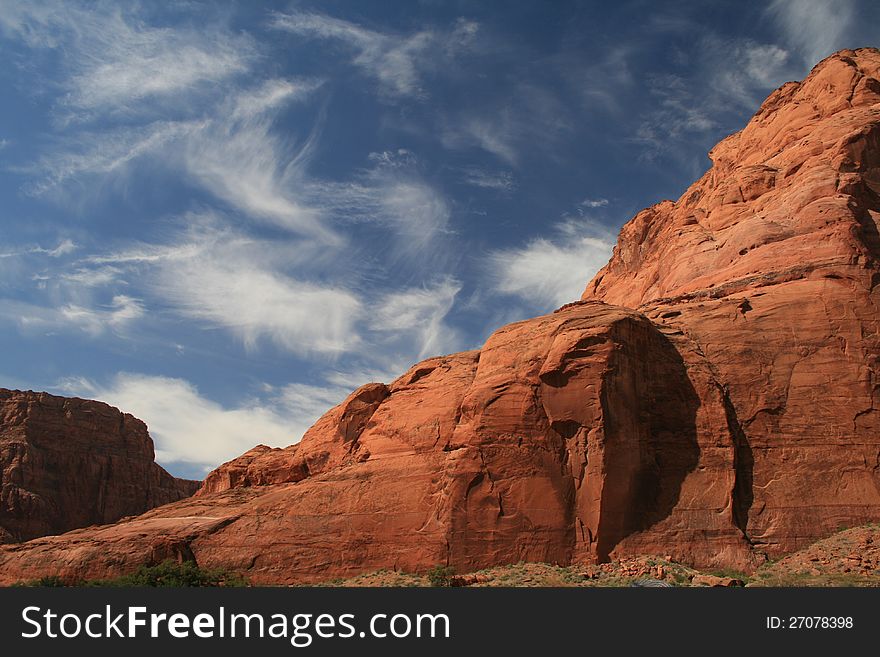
(712, 398)
(69, 463)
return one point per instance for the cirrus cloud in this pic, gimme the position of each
(549, 272)
(190, 431)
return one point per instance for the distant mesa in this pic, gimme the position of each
(713, 398)
(69, 463)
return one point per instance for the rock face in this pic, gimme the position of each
(712, 398)
(576, 436)
(769, 264)
(69, 463)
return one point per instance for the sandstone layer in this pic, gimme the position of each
(69, 463)
(712, 398)
(769, 264)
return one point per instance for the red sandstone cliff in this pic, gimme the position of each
(712, 398)
(769, 264)
(69, 463)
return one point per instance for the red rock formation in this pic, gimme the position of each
(769, 263)
(327, 444)
(577, 436)
(723, 409)
(68, 463)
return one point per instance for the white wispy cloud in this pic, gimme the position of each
(306, 402)
(106, 153)
(392, 197)
(693, 107)
(745, 73)
(116, 61)
(419, 314)
(761, 66)
(417, 214)
(223, 278)
(94, 320)
(59, 300)
(263, 291)
(64, 247)
(527, 118)
(391, 60)
(93, 276)
(232, 153)
(547, 273)
(393, 159)
(256, 303)
(399, 62)
(815, 28)
(496, 135)
(502, 181)
(220, 277)
(121, 311)
(594, 203)
(29, 317)
(189, 428)
(238, 158)
(600, 82)
(230, 147)
(395, 60)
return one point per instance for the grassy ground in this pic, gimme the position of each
(622, 573)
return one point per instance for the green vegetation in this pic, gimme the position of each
(378, 578)
(441, 576)
(824, 580)
(729, 572)
(166, 574)
(176, 575)
(51, 581)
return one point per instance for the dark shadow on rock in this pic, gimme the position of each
(650, 436)
(866, 222)
(744, 465)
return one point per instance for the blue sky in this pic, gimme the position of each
(222, 217)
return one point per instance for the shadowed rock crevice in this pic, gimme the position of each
(742, 496)
(650, 437)
(867, 224)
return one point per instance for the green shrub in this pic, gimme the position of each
(166, 574)
(730, 572)
(176, 575)
(441, 576)
(50, 581)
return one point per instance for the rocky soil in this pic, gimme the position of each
(848, 558)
